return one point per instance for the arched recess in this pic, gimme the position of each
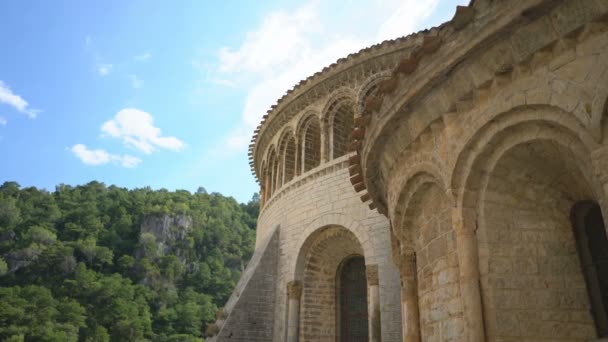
(310, 139)
(271, 174)
(340, 121)
(370, 89)
(320, 262)
(263, 193)
(429, 264)
(524, 178)
(287, 150)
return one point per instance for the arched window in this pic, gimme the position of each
(287, 153)
(311, 141)
(352, 314)
(592, 246)
(341, 128)
(289, 158)
(271, 173)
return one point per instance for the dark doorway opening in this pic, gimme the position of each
(592, 246)
(353, 301)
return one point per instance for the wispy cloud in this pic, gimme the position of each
(143, 57)
(104, 69)
(308, 39)
(17, 102)
(136, 129)
(97, 157)
(136, 82)
(3, 121)
(223, 82)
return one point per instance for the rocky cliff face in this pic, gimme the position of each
(168, 232)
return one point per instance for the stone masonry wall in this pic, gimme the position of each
(320, 198)
(533, 286)
(319, 297)
(437, 268)
(478, 138)
(250, 309)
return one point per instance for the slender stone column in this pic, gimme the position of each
(294, 292)
(324, 143)
(468, 264)
(266, 187)
(409, 299)
(375, 334)
(599, 158)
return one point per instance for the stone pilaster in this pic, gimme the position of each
(410, 314)
(375, 334)
(294, 292)
(468, 265)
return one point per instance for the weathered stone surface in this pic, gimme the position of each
(476, 140)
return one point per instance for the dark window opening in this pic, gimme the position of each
(592, 246)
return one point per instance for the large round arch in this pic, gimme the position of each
(330, 256)
(523, 178)
(428, 258)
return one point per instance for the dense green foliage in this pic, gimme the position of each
(74, 265)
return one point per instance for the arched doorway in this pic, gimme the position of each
(352, 289)
(332, 271)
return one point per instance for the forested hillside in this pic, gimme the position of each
(97, 263)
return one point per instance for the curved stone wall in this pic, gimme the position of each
(474, 141)
(322, 198)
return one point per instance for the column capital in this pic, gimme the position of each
(294, 289)
(372, 274)
(599, 159)
(463, 220)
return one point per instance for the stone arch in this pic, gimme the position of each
(321, 258)
(429, 262)
(288, 154)
(263, 193)
(370, 88)
(309, 135)
(524, 172)
(327, 220)
(427, 167)
(339, 119)
(551, 116)
(272, 168)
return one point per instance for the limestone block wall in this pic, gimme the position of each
(512, 135)
(321, 198)
(250, 309)
(476, 139)
(434, 244)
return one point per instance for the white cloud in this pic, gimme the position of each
(136, 83)
(3, 121)
(290, 46)
(143, 57)
(91, 157)
(101, 157)
(127, 160)
(104, 69)
(136, 129)
(8, 97)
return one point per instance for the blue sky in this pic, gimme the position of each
(166, 93)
